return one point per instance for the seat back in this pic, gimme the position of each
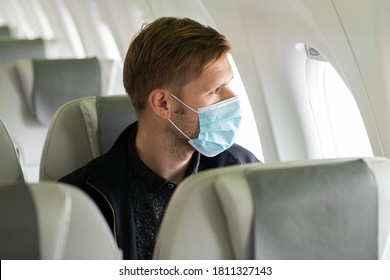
(330, 209)
(5, 31)
(12, 49)
(32, 90)
(81, 130)
(52, 221)
(10, 169)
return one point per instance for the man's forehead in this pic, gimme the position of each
(218, 65)
(214, 75)
(219, 72)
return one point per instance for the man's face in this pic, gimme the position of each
(211, 87)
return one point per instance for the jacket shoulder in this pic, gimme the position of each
(243, 155)
(79, 176)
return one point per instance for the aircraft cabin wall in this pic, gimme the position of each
(270, 40)
(268, 36)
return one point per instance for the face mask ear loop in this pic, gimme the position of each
(183, 103)
(189, 139)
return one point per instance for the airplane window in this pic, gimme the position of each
(249, 136)
(340, 128)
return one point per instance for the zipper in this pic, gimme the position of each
(112, 208)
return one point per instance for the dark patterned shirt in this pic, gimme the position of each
(151, 194)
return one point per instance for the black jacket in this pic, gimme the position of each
(106, 180)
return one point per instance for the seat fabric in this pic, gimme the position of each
(53, 221)
(212, 215)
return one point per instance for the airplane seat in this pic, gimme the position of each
(10, 169)
(52, 221)
(329, 209)
(33, 89)
(12, 49)
(81, 130)
(5, 31)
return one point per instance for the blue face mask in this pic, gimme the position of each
(218, 124)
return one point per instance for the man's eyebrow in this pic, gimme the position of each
(225, 83)
(231, 78)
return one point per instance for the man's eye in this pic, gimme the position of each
(216, 91)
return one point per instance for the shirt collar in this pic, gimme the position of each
(152, 180)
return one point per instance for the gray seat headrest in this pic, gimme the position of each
(114, 115)
(315, 212)
(12, 49)
(5, 31)
(57, 81)
(52, 221)
(19, 224)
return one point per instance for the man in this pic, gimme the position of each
(177, 75)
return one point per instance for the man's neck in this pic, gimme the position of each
(161, 155)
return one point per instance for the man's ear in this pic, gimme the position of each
(159, 101)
